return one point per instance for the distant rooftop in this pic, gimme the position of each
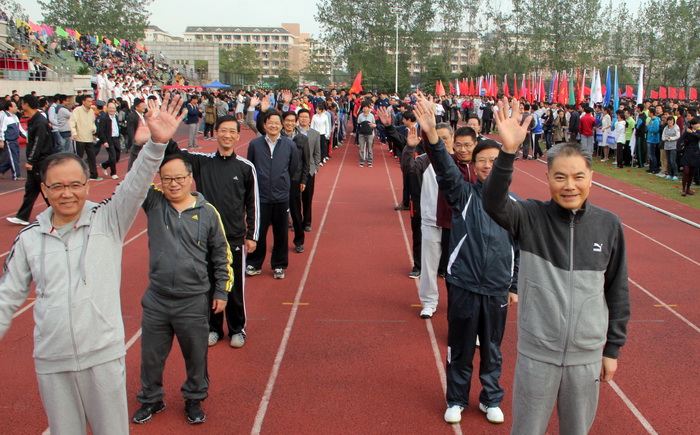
(215, 29)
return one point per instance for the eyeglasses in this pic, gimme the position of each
(60, 188)
(484, 160)
(462, 145)
(179, 179)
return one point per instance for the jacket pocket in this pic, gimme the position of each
(92, 329)
(541, 312)
(52, 335)
(591, 326)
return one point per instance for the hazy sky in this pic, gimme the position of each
(174, 16)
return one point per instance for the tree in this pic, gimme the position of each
(241, 60)
(318, 65)
(286, 81)
(125, 19)
(13, 9)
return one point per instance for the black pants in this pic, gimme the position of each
(324, 147)
(471, 314)
(640, 151)
(536, 149)
(235, 308)
(163, 318)
(274, 214)
(295, 212)
(307, 197)
(133, 154)
(88, 148)
(32, 189)
(114, 153)
(417, 234)
(486, 129)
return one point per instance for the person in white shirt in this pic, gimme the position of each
(321, 124)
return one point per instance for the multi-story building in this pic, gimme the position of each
(278, 48)
(198, 61)
(465, 49)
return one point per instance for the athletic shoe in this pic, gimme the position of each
(454, 414)
(660, 175)
(279, 273)
(674, 179)
(307, 228)
(668, 177)
(115, 177)
(19, 179)
(427, 312)
(477, 342)
(104, 171)
(415, 274)
(194, 412)
(96, 179)
(213, 338)
(251, 271)
(493, 413)
(145, 413)
(299, 249)
(369, 166)
(237, 340)
(401, 207)
(361, 164)
(17, 221)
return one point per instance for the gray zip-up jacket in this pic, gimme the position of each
(182, 243)
(77, 315)
(574, 298)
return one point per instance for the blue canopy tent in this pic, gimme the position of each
(216, 84)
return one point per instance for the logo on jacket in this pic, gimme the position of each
(597, 247)
(195, 217)
(235, 177)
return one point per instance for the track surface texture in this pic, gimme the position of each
(338, 347)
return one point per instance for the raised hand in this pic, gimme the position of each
(425, 115)
(265, 104)
(162, 120)
(511, 128)
(413, 139)
(254, 101)
(286, 97)
(384, 116)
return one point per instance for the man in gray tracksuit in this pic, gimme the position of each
(73, 255)
(185, 233)
(574, 308)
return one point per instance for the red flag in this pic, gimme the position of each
(494, 91)
(516, 95)
(681, 94)
(439, 89)
(693, 94)
(463, 88)
(662, 92)
(506, 91)
(629, 91)
(452, 88)
(654, 95)
(357, 84)
(563, 90)
(529, 90)
(471, 87)
(672, 93)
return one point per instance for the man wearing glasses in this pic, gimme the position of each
(73, 255)
(185, 235)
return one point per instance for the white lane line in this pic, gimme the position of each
(4, 254)
(265, 401)
(457, 429)
(664, 305)
(635, 411)
(633, 229)
(25, 308)
(12, 191)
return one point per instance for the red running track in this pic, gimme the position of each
(338, 347)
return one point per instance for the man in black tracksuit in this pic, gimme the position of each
(185, 238)
(230, 183)
(574, 309)
(299, 178)
(276, 160)
(482, 272)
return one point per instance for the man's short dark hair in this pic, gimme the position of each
(465, 131)
(290, 113)
(60, 158)
(177, 156)
(409, 115)
(137, 101)
(31, 101)
(226, 118)
(484, 144)
(303, 111)
(475, 117)
(270, 113)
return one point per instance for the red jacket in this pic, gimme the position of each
(586, 124)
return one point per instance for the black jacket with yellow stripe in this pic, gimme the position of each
(181, 243)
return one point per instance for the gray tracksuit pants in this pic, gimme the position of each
(538, 385)
(188, 320)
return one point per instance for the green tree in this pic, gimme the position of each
(126, 19)
(13, 9)
(286, 81)
(241, 60)
(318, 65)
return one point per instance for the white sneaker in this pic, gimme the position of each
(237, 340)
(213, 338)
(104, 171)
(427, 312)
(454, 414)
(115, 177)
(493, 413)
(17, 221)
(477, 342)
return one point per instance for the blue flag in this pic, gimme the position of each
(616, 95)
(608, 85)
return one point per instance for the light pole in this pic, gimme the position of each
(396, 10)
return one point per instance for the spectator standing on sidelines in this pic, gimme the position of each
(192, 120)
(572, 319)
(81, 374)
(10, 131)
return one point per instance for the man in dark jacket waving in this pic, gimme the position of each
(482, 272)
(575, 306)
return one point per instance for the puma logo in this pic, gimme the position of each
(597, 247)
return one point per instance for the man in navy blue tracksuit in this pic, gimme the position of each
(482, 272)
(276, 159)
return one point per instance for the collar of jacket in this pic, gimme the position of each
(567, 214)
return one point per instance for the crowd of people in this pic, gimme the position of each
(455, 184)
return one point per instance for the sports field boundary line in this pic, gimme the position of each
(640, 202)
(665, 305)
(282, 349)
(457, 428)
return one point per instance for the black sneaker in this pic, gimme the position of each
(299, 249)
(145, 413)
(194, 412)
(415, 274)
